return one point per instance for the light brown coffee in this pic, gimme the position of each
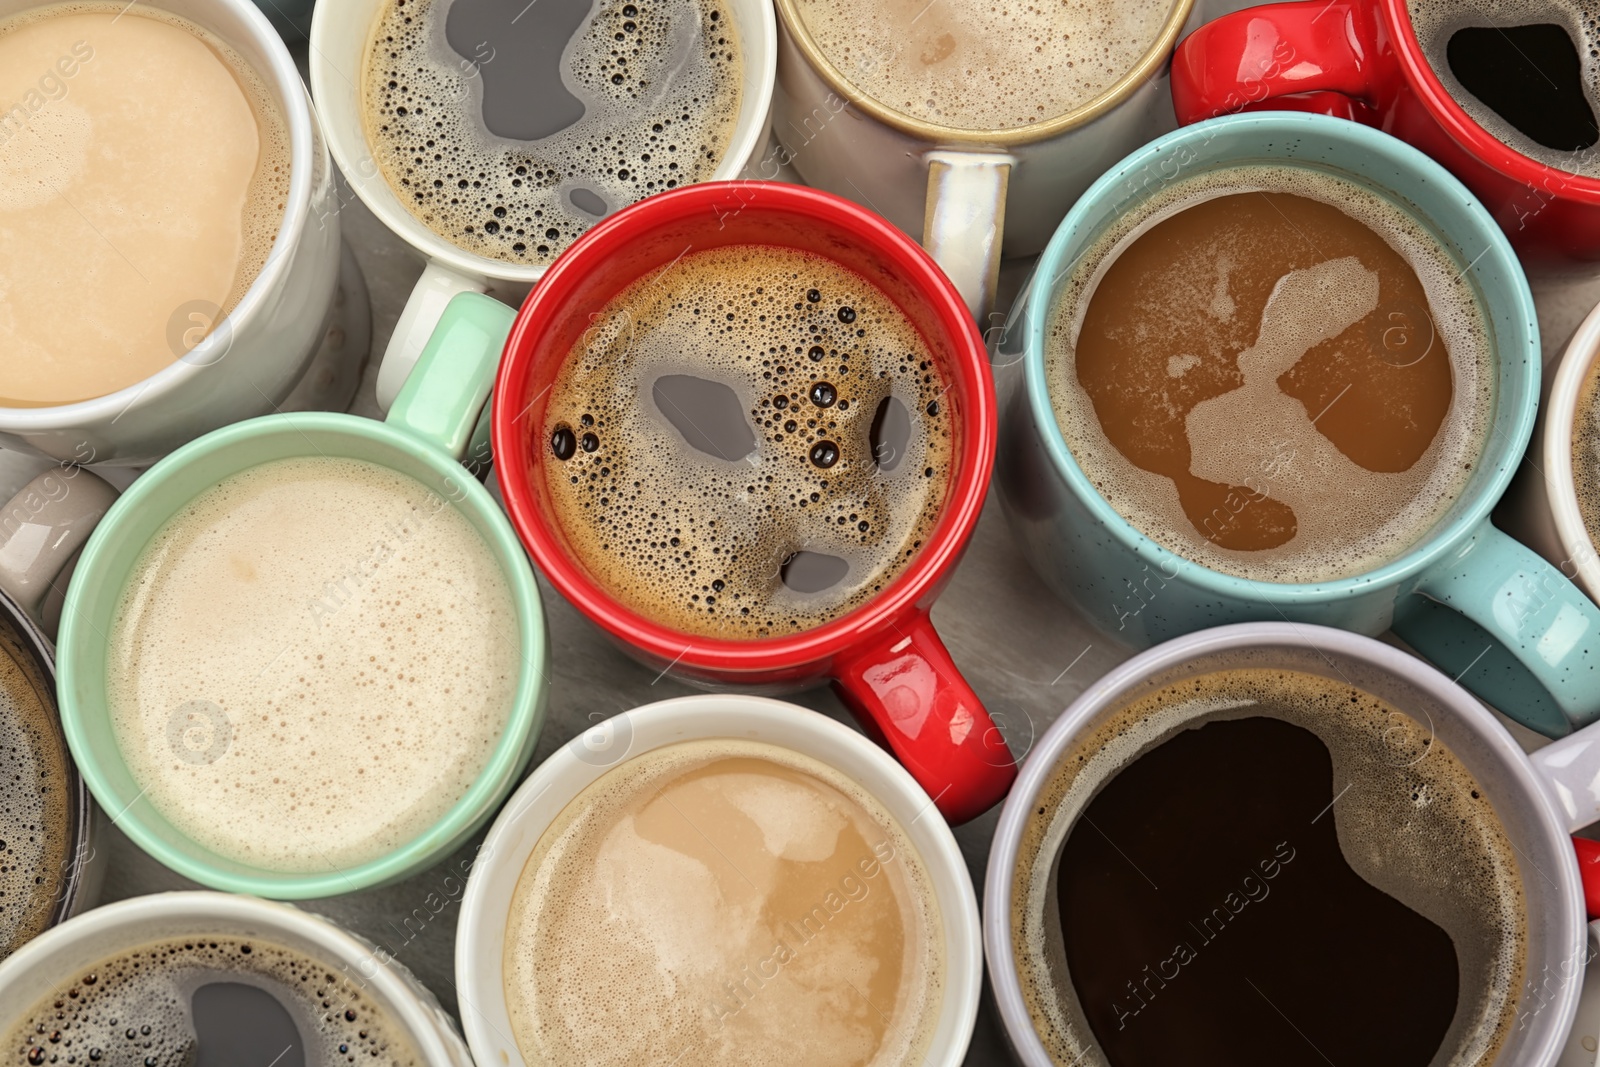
(1272, 372)
(724, 902)
(144, 170)
(1586, 453)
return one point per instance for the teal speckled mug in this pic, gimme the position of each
(1481, 606)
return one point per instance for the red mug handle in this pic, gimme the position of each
(907, 694)
(1589, 873)
(1313, 56)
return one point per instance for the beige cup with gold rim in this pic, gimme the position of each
(859, 114)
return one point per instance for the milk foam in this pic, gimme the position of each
(977, 65)
(1414, 823)
(1351, 519)
(156, 174)
(724, 902)
(660, 82)
(311, 663)
(134, 1007)
(1586, 453)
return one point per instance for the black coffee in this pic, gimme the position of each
(1262, 867)
(209, 1002)
(1524, 70)
(509, 127)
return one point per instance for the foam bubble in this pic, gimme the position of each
(311, 663)
(698, 541)
(653, 922)
(660, 82)
(1416, 824)
(134, 1007)
(977, 65)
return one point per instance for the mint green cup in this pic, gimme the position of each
(434, 423)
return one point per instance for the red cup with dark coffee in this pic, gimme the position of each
(1504, 107)
(747, 429)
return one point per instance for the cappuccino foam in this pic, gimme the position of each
(1411, 821)
(1586, 453)
(311, 663)
(977, 65)
(724, 902)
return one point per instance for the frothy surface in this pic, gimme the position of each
(1586, 453)
(135, 1007)
(1320, 420)
(659, 84)
(1436, 21)
(311, 663)
(724, 902)
(976, 65)
(697, 536)
(1414, 823)
(36, 805)
(142, 161)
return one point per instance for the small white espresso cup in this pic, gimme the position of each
(340, 31)
(252, 360)
(486, 906)
(58, 957)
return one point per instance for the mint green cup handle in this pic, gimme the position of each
(1512, 629)
(444, 401)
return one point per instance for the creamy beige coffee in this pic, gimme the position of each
(1273, 372)
(724, 902)
(144, 170)
(1586, 453)
(311, 663)
(977, 65)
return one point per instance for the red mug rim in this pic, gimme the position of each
(1482, 144)
(932, 563)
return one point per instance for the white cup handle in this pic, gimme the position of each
(1569, 769)
(41, 530)
(429, 298)
(964, 221)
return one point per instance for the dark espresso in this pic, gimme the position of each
(1263, 867)
(1524, 70)
(36, 800)
(750, 443)
(209, 1002)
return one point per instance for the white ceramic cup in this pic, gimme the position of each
(486, 906)
(340, 31)
(967, 194)
(58, 957)
(252, 360)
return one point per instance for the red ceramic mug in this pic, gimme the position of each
(884, 658)
(1360, 60)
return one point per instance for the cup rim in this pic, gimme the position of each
(304, 148)
(202, 906)
(1560, 412)
(739, 717)
(79, 639)
(1148, 65)
(1515, 425)
(1110, 688)
(1479, 142)
(915, 586)
(354, 154)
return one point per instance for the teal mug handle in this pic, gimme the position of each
(1512, 629)
(445, 400)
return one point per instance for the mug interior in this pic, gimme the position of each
(339, 35)
(106, 567)
(651, 236)
(1388, 167)
(57, 959)
(1560, 427)
(1554, 952)
(486, 906)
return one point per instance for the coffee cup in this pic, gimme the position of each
(1472, 600)
(1362, 60)
(341, 35)
(428, 430)
(971, 193)
(386, 1002)
(1536, 802)
(223, 368)
(487, 906)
